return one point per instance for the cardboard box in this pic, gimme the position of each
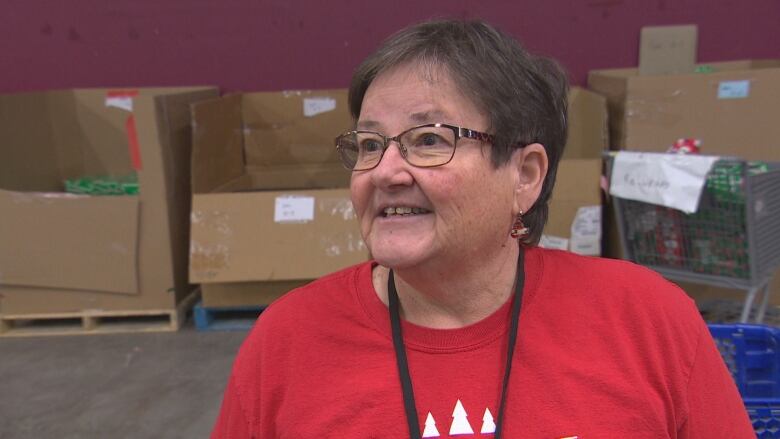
(574, 221)
(250, 293)
(271, 209)
(668, 50)
(65, 254)
(588, 128)
(273, 235)
(732, 109)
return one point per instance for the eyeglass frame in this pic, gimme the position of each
(459, 132)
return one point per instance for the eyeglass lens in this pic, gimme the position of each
(421, 146)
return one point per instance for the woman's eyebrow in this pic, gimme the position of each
(433, 116)
(418, 118)
(368, 124)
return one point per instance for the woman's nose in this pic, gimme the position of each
(393, 169)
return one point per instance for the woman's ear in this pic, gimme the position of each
(530, 163)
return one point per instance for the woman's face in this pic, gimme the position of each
(468, 205)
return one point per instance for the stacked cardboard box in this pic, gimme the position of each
(76, 255)
(575, 208)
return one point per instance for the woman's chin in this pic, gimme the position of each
(398, 259)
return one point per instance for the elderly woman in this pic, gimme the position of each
(460, 326)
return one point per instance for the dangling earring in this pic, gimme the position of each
(519, 230)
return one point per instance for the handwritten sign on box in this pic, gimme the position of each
(671, 180)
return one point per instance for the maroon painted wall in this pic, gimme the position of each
(273, 45)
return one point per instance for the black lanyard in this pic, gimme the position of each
(403, 365)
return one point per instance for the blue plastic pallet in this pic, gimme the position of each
(228, 318)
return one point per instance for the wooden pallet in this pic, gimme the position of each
(96, 321)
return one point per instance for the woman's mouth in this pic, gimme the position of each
(403, 211)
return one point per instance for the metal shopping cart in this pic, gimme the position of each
(732, 240)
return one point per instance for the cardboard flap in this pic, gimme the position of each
(295, 127)
(98, 132)
(169, 118)
(588, 135)
(273, 236)
(578, 180)
(71, 242)
(217, 143)
(26, 135)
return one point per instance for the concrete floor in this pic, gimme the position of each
(153, 385)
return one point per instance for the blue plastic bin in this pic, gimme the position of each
(752, 355)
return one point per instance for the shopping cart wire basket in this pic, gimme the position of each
(731, 241)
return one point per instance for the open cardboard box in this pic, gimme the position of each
(271, 209)
(62, 253)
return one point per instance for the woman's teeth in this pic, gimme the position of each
(390, 211)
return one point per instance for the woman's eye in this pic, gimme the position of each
(429, 139)
(371, 145)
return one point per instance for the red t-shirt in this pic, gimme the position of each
(605, 349)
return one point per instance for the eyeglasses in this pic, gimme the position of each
(424, 146)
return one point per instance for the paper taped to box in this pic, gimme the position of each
(671, 180)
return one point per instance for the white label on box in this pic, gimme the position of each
(315, 106)
(554, 242)
(586, 231)
(294, 209)
(587, 223)
(733, 89)
(586, 245)
(121, 102)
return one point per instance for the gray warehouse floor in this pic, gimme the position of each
(147, 385)
(165, 385)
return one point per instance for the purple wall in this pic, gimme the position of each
(272, 45)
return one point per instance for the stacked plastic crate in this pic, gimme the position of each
(752, 354)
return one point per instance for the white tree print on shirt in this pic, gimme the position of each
(460, 424)
(488, 426)
(430, 427)
(460, 421)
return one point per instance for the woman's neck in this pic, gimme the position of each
(452, 296)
